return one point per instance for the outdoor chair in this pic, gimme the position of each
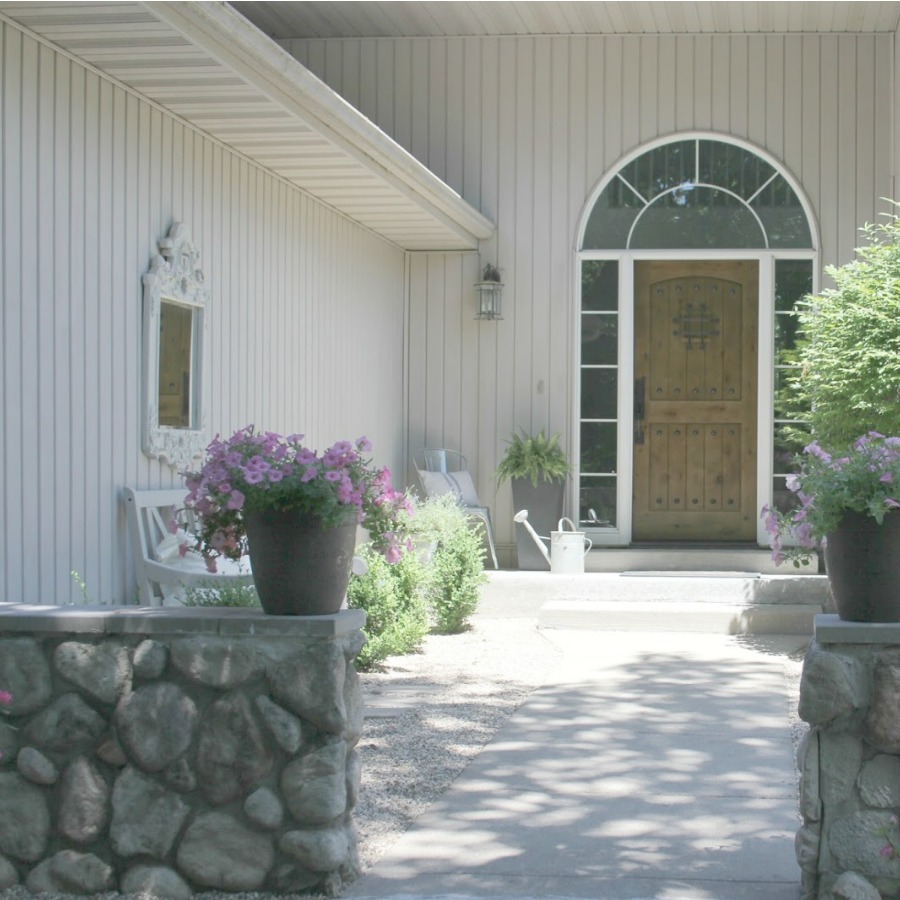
(446, 472)
(162, 572)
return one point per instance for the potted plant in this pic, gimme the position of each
(847, 502)
(848, 380)
(537, 468)
(296, 512)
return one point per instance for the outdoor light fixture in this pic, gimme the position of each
(487, 292)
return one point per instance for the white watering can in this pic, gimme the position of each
(567, 548)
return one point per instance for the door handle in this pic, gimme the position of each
(639, 409)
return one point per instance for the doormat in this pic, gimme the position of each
(699, 574)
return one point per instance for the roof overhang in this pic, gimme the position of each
(206, 64)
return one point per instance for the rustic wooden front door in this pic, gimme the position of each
(695, 410)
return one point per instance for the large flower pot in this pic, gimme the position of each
(545, 508)
(862, 561)
(299, 567)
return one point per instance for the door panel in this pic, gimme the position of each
(695, 400)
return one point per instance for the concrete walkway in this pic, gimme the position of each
(648, 766)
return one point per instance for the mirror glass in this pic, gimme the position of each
(176, 351)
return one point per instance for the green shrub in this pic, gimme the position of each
(850, 358)
(456, 570)
(221, 594)
(394, 602)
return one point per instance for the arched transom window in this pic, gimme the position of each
(697, 193)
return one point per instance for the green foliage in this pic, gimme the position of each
(850, 359)
(456, 571)
(81, 586)
(534, 457)
(225, 593)
(393, 597)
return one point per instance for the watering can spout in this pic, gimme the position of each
(522, 518)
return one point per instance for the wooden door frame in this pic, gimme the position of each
(622, 534)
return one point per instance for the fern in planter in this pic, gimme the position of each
(537, 467)
(535, 457)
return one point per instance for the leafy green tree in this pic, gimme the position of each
(850, 358)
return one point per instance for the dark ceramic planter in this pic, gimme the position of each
(299, 567)
(545, 508)
(862, 561)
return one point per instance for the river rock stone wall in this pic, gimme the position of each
(168, 751)
(849, 843)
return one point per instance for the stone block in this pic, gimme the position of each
(856, 841)
(71, 872)
(33, 765)
(879, 782)
(102, 671)
(149, 659)
(24, 818)
(315, 785)
(263, 808)
(25, 674)
(322, 850)
(882, 724)
(232, 756)
(852, 886)
(806, 846)
(840, 759)
(146, 818)
(219, 852)
(8, 874)
(216, 662)
(311, 684)
(808, 760)
(156, 724)
(285, 728)
(67, 725)
(829, 686)
(83, 802)
(156, 881)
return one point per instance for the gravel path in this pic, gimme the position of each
(432, 714)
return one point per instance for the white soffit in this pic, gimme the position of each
(390, 18)
(206, 64)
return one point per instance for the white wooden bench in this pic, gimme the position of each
(162, 573)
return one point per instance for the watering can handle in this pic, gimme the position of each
(588, 543)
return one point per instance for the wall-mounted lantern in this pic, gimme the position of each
(487, 294)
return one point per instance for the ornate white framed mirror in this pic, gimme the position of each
(176, 298)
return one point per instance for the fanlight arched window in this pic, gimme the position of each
(697, 193)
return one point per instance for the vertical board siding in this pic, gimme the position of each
(526, 127)
(305, 327)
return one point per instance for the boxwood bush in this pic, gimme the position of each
(456, 570)
(393, 597)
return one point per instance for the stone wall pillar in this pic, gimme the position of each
(173, 750)
(849, 843)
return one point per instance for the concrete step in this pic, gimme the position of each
(690, 558)
(710, 602)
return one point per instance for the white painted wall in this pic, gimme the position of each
(525, 127)
(306, 329)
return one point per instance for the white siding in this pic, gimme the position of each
(306, 323)
(525, 127)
